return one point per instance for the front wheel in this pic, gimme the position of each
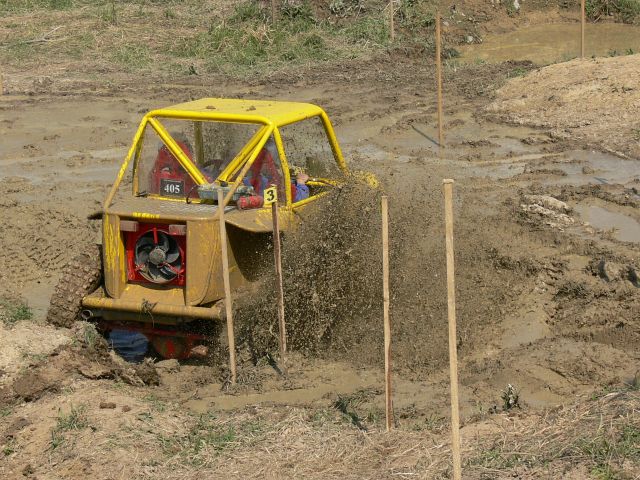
(80, 277)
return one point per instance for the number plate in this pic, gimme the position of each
(172, 188)
(270, 195)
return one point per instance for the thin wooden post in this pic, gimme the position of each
(273, 11)
(453, 351)
(582, 26)
(391, 21)
(439, 79)
(387, 323)
(278, 261)
(227, 287)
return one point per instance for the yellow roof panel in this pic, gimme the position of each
(259, 111)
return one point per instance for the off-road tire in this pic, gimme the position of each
(80, 277)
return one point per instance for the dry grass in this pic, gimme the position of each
(599, 436)
(181, 38)
(595, 438)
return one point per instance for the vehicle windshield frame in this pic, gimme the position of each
(235, 171)
(190, 167)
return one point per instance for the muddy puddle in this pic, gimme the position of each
(543, 44)
(623, 227)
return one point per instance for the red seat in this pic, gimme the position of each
(167, 167)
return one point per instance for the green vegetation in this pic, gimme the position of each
(209, 435)
(248, 39)
(237, 38)
(602, 448)
(155, 403)
(12, 312)
(510, 398)
(75, 420)
(90, 335)
(518, 72)
(624, 10)
(602, 434)
(9, 447)
(348, 405)
(132, 57)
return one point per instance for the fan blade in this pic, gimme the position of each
(144, 240)
(167, 272)
(142, 257)
(173, 256)
(155, 273)
(163, 241)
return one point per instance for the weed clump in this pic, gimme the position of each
(75, 420)
(624, 10)
(510, 398)
(572, 289)
(12, 312)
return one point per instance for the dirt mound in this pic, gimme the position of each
(86, 356)
(596, 101)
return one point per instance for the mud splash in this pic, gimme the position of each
(332, 270)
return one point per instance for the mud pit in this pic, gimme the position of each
(546, 302)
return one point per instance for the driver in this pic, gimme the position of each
(265, 172)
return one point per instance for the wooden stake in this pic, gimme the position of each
(439, 79)
(387, 323)
(227, 287)
(453, 352)
(391, 24)
(273, 11)
(582, 26)
(278, 260)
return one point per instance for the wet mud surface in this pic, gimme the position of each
(548, 292)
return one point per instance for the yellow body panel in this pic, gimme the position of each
(248, 230)
(267, 112)
(115, 273)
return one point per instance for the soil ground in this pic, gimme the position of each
(547, 256)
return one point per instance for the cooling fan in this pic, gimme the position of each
(157, 256)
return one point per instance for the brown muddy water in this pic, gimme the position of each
(624, 228)
(543, 44)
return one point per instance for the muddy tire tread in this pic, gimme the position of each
(80, 277)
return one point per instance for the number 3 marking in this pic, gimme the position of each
(270, 195)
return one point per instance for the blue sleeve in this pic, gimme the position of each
(302, 192)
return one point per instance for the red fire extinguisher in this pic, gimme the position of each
(250, 201)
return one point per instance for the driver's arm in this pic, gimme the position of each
(302, 189)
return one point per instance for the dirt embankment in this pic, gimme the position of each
(593, 101)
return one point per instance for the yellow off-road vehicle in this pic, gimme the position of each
(159, 269)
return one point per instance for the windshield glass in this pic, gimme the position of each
(210, 146)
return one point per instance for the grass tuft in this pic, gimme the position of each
(132, 57)
(625, 10)
(12, 312)
(75, 420)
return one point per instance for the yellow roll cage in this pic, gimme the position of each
(271, 115)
